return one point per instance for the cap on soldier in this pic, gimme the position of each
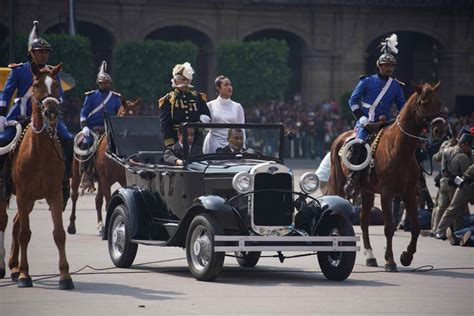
(389, 48)
(465, 138)
(184, 70)
(102, 76)
(35, 42)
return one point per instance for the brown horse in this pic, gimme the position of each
(37, 173)
(108, 172)
(395, 171)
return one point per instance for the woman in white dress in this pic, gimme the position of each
(223, 110)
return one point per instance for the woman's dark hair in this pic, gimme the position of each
(218, 82)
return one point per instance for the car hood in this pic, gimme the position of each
(223, 166)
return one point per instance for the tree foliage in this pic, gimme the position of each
(258, 70)
(143, 68)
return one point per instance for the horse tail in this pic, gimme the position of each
(337, 179)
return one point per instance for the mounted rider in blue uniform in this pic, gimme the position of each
(21, 80)
(372, 101)
(96, 103)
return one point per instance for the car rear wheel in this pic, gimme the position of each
(248, 259)
(203, 262)
(121, 250)
(337, 266)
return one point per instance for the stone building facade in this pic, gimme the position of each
(332, 42)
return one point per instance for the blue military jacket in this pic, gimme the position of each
(366, 92)
(20, 80)
(93, 108)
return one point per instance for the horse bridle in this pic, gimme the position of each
(41, 104)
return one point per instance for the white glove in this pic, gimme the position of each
(86, 131)
(3, 120)
(363, 120)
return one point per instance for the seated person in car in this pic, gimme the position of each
(235, 137)
(174, 155)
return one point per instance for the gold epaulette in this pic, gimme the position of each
(117, 94)
(203, 96)
(169, 142)
(400, 82)
(13, 65)
(89, 92)
(163, 99)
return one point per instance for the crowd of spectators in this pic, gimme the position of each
(315, 125)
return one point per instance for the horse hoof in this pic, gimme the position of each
(371, 262)
(71, 230)
(66, 284)
(14, 276)
(391, 267)
(2, 273)
(25, 282)
(406, 259)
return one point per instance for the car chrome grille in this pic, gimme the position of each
(273, 208)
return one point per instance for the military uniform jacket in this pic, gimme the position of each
(367, 90)
(178, 107)
(93, 109)
(20, 80)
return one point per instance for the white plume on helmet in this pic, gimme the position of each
(390, 44)
(184, 69)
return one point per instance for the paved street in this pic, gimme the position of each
(159, 282)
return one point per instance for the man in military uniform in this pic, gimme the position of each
(96, 103)
(456, 161)
(182, 105)
(372, 100)
(20, 80)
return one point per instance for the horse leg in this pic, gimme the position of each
(389, 229)
(3, 226)
(15, 249)
(410, 201)
(99, 201)
(65, 280)
(75, 181)
(367, 204)
(24, 237)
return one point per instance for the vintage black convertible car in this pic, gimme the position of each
(218, 203)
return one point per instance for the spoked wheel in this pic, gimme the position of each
(121, 250)
(203, 262)
(337, 266)
(248, 259)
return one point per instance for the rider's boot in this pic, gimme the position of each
(4, 177)
(87, 182)
(352, 184)
(68, 150)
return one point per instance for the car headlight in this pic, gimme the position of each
(242, 182)
(309, 182)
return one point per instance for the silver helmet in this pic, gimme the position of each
(102, 76)
(35, 42)
(388, 49)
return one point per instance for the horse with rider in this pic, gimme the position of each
(379, 156)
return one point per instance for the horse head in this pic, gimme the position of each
(428, 107)
(45, 95)
(129, 108)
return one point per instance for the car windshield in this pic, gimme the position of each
(221, 141)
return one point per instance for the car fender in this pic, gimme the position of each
(137, 200)
(227, 216)
(333, 205)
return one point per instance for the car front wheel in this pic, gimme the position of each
(121, 250)
(337, 266)
(203, 262)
